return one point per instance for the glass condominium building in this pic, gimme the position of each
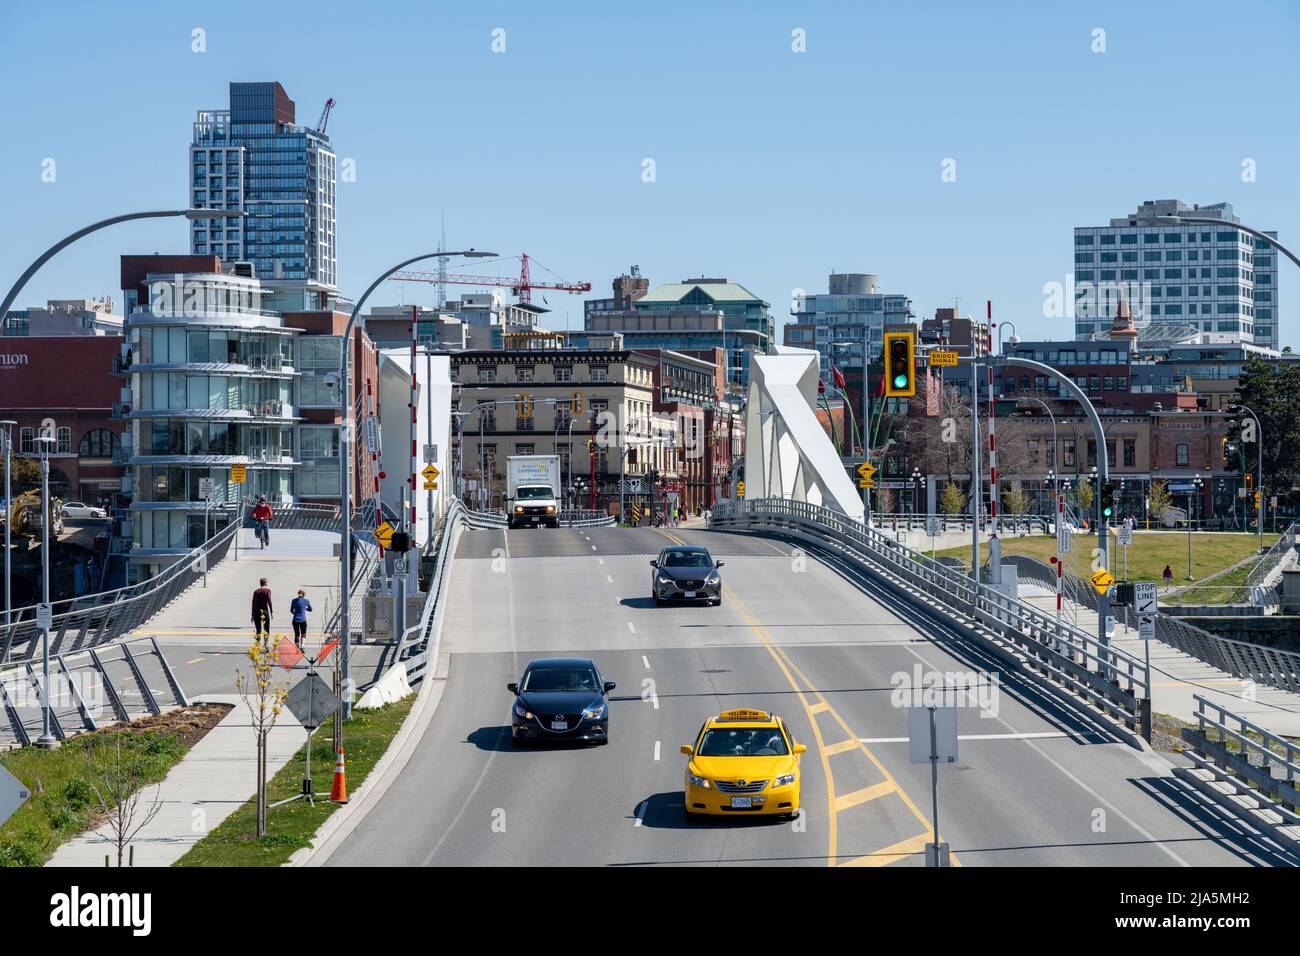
(254, 157)
(854, 309)
(1219, 280)
(211, 384)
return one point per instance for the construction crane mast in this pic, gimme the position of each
(325, 116)
(522, 286)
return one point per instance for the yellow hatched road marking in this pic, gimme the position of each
(790, 670)
(864, 795)
(892, 854)
(841, 747)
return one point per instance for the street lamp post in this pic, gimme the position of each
(345, 448)
(66, 241)
(1259, 465)
(46, 741)
(1196, 493)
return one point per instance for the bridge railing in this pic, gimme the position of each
(1248, 770)
(1107, 678)
(1264, 584)
(582, 518)
(418, 645)
(1007, 524)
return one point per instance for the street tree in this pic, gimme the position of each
(1159, 501)
(1273, 393)
(952, 500)
(118, 778)
(265, 699)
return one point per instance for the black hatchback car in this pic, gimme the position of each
(686, 573)
(560, 698)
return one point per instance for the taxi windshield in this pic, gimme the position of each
(686, 559)
(743, 742)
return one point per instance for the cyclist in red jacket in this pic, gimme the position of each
(262, 521)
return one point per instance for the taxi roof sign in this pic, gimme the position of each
(744, 713)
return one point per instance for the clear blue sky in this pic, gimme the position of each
(772, 167)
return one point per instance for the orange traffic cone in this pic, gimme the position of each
(339, 792)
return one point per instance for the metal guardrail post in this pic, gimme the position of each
(114, 701)
(145, 691)
(42, 694)
(87, 720)
(15, 722)
(177, 694)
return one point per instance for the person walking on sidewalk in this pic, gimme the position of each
(298, 609)
(1169, 577)
(262, 609)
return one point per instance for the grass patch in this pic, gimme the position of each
(1147, 555)
(290, 828)
(63, 804)
(1229, 588)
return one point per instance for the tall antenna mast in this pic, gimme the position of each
(442, 265)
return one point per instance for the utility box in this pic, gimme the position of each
(1291, 591)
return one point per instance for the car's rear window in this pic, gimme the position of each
(544, 679)
(743, 742)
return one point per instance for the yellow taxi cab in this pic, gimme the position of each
(743, 762)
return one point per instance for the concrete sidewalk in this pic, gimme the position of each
(1176, 677)
(213, 780)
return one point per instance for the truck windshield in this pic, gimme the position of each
(533, 492)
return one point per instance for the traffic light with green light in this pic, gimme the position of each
(900, 364)
(1108, 500)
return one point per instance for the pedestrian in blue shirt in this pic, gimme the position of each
(298, 609)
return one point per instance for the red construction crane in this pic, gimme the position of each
(521, 286)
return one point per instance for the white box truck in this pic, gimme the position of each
(533, 491)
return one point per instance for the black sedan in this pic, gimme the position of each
(560, 698)
(686, 573)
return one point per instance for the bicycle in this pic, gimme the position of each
(262, 533)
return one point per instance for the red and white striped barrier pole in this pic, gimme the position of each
(995, 545)
(415, 387)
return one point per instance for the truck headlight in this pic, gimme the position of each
(519, 509)
(550, 509)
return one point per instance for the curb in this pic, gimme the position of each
(342, 822)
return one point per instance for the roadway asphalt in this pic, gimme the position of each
(1034, 785)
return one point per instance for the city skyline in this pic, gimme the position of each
(763, 180)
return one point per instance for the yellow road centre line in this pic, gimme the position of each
(841, 747)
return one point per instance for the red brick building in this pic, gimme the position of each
(67, 378)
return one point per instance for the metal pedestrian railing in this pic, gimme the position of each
(582, 518)
(88, 689)
(1264, 584)
(1267, 666)
(1007, 524)
(483, 519)
(1106, 678)
(1248, 770)
(95, 619)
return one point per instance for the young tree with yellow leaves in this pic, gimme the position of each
(265, 700)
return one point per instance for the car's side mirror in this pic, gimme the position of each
(718, 564)
(800, 748)
(654, 564)
(609, 685)
(688, 750)
(513, 687)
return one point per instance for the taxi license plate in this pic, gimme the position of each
(559, 725)
(742, 803)
(689, 594)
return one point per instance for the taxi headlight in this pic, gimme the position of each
(786, 779)
(697, 781)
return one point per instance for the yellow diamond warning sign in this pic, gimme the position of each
(384, 534)
(866, 470)
(1102, 580)
(430, 473)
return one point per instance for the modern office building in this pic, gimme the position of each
(838, 322)
(690, 316)
(65, 317)
(1218, 279)
(255, 157)
(210, 380)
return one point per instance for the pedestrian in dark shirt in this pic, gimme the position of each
(262, 609)
(1169, 577)
(298, 609)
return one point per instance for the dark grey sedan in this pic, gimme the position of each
(686, 573)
